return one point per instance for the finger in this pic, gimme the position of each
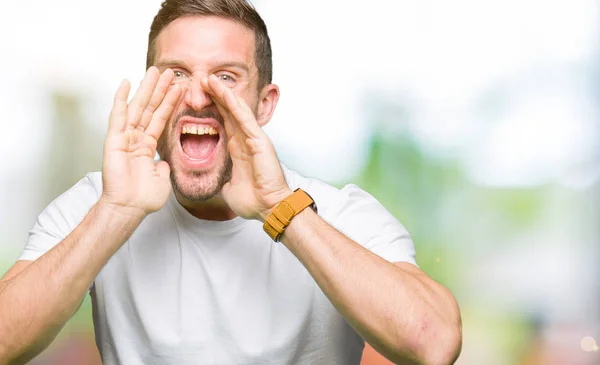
(237, 107)
(162, 86)
(164, 112)
(230, 127)
(142, 97)
(118, 115)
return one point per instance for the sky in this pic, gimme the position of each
(506, 87)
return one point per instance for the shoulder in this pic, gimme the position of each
(359, 216)
(94, 179)
(62, 215)
(85, 191)
(69, 208)
(327, 197)
(338, 205)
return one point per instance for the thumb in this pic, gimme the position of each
(163, 168)
(225, 191)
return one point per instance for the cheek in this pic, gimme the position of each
(247, 93)
(167, 140)
(250, 100)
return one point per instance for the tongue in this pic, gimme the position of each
(198, 147)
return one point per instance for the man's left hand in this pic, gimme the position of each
(257, 182)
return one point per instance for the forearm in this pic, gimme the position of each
(401, 312)
(38, 301)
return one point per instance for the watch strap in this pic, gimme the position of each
(281, 216)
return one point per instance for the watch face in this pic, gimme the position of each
(313, 206)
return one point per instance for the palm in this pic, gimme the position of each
(257, 181)
(131, 178)
(129, 158)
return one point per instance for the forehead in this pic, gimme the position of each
(202, 40)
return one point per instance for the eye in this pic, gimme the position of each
(179, 76)
(226, 78)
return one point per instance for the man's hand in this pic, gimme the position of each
(257, 182)
(41, 295)
(132, 180)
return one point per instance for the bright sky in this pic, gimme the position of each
(532, 59)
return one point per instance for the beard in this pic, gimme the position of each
(206, 185)
(195, 186)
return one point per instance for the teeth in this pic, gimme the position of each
(192, 129)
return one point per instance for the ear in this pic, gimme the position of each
(269, 96)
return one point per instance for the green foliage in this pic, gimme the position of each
(452, 220)
(415, 188)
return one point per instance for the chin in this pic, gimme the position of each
(198, 186)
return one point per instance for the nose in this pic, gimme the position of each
(195, 96)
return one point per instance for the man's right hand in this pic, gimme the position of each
(38, 297)
(132, 182)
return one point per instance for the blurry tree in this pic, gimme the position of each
(76, 148)
(453, 221)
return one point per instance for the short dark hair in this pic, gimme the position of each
(239, 11)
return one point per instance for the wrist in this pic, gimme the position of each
(120, 211)
(296, 223)
(113, 223)
(284, 212)
(276, 199)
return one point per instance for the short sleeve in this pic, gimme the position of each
(61, 217)
(366, 221)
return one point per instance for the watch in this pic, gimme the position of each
(281, 216)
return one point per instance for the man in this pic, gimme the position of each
(212, 255)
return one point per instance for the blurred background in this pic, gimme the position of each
(476, 123)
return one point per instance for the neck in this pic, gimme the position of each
(213, 209)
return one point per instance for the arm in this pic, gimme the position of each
(37, 300)
(395, 307)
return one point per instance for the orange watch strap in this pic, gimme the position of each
(271, 231)
(281, 216)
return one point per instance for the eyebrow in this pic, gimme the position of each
(170, 63)
(179, 63)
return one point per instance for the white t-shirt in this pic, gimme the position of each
(186, 291)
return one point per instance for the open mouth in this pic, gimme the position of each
(199, 142)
